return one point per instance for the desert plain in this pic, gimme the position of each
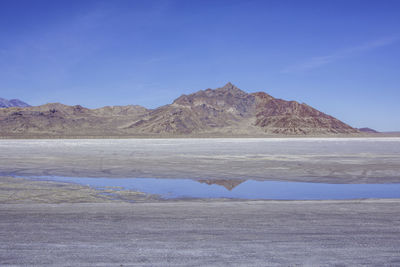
(48, 223)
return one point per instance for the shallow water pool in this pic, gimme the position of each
(237, 189)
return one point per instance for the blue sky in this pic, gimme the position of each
(341, 57)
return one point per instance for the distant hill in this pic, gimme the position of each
(367, 130)
(225, 111)
(4, 103)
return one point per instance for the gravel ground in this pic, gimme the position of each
(206, 233)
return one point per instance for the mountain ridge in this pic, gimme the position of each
(224, 111)
(4, 103)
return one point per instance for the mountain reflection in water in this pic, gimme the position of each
(237, 189)
(228, 184)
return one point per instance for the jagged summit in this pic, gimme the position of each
(229, 87)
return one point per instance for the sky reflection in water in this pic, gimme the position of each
(239, 189)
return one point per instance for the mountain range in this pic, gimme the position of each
(225, 111)
(4, 103)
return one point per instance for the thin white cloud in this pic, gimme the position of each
(317, 62)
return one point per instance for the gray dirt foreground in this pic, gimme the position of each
(198, 233)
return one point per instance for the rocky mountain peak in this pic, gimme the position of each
(212, 96)
(227, 99)
(230, 88)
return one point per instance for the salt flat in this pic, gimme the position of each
(187, 233)
(333, 160)
(60, 224)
